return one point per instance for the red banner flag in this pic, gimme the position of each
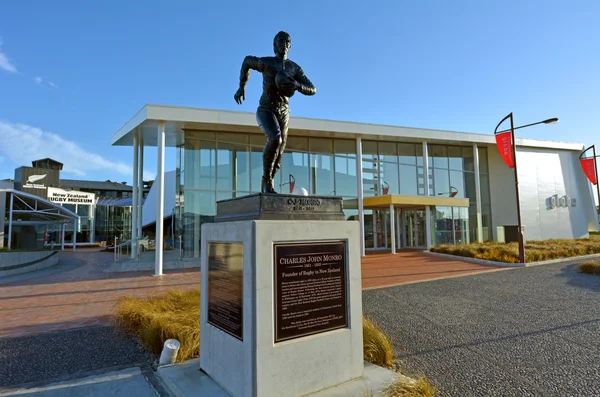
(504, 143)
(589, 168)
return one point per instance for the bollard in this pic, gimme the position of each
(169, 353)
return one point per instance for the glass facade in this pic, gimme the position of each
(217, 166)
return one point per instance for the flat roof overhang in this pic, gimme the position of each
(401, 201)
(178, 119)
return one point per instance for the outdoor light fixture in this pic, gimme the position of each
(450, 193)
(505, 141)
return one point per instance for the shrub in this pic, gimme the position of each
(590, 268)
(377, 348)
(401, 388)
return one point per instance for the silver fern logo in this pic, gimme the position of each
(31, 182)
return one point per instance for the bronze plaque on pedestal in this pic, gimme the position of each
(310, 288)
(225, 287)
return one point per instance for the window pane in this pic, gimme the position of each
(196, 135)
(318, 145)
(389, 177)
(345, 147)
(322, 174)
(470, 186)
(407, 153)
(296, 164)
(440, 156)
(441, 182)
(200, 161)
(469, 161)
(408, 180)
(296, 144)
(485, 189)
(483, 160)
(199, 208)
(257, 168)
(421, 181)
(369, 148)
(233, 163)
(455, 158)
(486, 220)
(457, 180)
(419, 148)
(257, 139)
(388, 151)
(346, 183)
(233, 138)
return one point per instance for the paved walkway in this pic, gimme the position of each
(410, 266)
(81, 293)
(79, 297)
(525, 332)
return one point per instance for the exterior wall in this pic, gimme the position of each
(546, 173)
(502, 192)
(543, 173)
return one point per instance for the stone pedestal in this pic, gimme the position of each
(281, 307)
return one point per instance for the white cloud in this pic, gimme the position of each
(5, 63)
(53, 85)
(38, 80)
(22, 143)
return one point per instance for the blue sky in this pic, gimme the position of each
(71, 72)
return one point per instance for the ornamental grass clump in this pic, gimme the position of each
(590, 268)
(534, 250)
(175, 315)
(403, 388)
(377, 348)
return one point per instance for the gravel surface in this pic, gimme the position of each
(525, 332)
(50, 356)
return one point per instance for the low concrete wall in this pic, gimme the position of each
(12, 263)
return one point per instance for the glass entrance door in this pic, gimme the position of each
(414, 228)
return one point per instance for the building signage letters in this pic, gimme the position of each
(61, 196)
(563, 201)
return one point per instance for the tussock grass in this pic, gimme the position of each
(590, 268)
(175, 315)
(534, 250)
(377, 348)
(401, 388)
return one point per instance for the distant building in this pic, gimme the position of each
(104, 207)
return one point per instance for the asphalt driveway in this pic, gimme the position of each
(525, 332)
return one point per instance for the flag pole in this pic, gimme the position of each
(520, 230)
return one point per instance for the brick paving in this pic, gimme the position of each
(410, 266)
(85, 295)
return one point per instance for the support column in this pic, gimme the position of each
(399, 234)
(427, 208)
(134, 213)
(393, 228)
(375, 231)
(62, 237)
(361, 209)
(478, 193)
(10, 212)
(403, 225)
(75, 233)
(140, 195)
(2, 212)
(160, 199)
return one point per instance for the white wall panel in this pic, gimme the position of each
(543, 173)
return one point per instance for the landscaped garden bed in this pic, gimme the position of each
(534, 250)
(590, 268)
(176, 315)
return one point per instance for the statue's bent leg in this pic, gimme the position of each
(269, 125)
(283, 119)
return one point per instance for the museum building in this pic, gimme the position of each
(408, 187)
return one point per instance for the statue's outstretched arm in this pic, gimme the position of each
(250, 62)
(305, 86)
